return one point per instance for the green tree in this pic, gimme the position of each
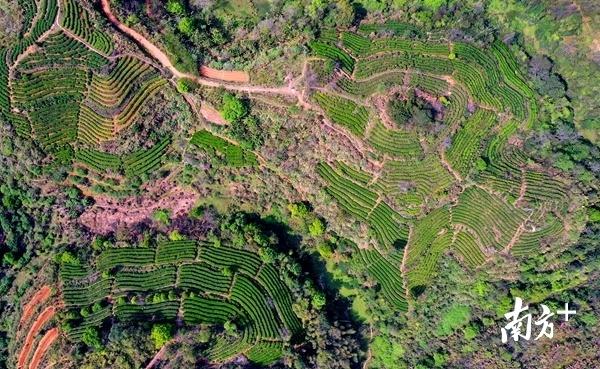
(343, 14)
(162, 216)
(267, 254)
(68, 258)
(325, 250)
(186, 26)
(91, 337)
(233, 108)
(318, 300)
(594, 215)
(204, 334)
(175, 7)
(298, 210)
(230, 327)
(182, 86)
(227, 271)
(316, 228)
(176, 236)
(161, 334)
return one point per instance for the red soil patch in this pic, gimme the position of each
(43, 347)
(224, 75)
(211, 114)
(41, 320)
(39, 297)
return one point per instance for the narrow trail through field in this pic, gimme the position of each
(290, 89)
(369, 352)
(403, 264)
(28, 51)
(447, 165)
(522, 189)
(211, 114)
(517, 235)
(81, 40)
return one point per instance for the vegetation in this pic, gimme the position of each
(378, 187)
(229, 153)
(149, 289)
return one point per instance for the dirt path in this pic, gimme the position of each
(28, 51)
(403, 264)
(39, 323)
(138, 38)
(39, 297)
(447, 165)
(163, 59)
(158, 357)
(149, 10)
(380, 102)
(369, 353)
(43, 347)
(81, 40)
(522, 189)
(515, 238)
(356, 142)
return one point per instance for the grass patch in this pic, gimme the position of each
(455, 317)
(181, 58)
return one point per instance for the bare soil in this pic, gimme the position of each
(43, 347)
(44, 317)
(211, 114)
(225, 75)
(39, 297)
(108, 214)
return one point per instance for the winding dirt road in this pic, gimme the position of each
(163, 59)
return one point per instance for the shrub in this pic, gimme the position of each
(68, 258)
(248, 131)
(456, 316)
(176, 236)
(162, 216)
(182, 86)
(298, 210)
(230, 327)
(325, 250)
(267, 254)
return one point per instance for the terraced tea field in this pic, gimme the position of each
(194, 281)
(69, 93)
(425, 193)
(456, 182)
